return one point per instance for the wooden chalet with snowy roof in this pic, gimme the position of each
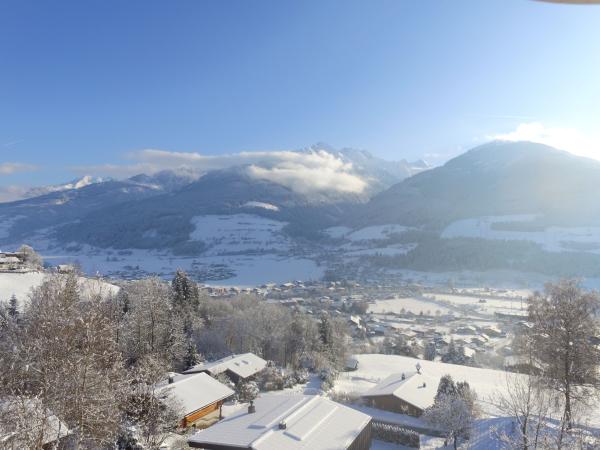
(405, 393)
(200, 397)
(289, 422)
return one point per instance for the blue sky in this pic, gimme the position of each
(85, 84)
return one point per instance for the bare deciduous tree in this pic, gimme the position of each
(563, 320)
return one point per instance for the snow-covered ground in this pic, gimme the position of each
(515, 305)
(372, 368)
(239, 233)
(487, 383)
(413, 305)
(21, 284)
(553, 239)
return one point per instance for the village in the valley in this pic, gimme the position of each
(305, 365)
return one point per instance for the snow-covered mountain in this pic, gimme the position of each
(74, 184)
(498, 178)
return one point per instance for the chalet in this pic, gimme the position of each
(10, 261)
(290, 422)
(237, 367)
(200, 396)
(405, 393)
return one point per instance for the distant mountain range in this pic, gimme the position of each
(155, 210)
(499, 178)
(488, 185)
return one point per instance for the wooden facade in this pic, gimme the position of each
(394, 404)
(203, 417)
(363, 440)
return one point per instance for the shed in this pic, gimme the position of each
(200, 396)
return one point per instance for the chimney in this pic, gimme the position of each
(171, 377)
(424, 384)
(251, 407)
(282, 425)
(403, 376)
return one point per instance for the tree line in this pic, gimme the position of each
(95, 361)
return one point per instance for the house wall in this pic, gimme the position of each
(208, 414)
(394, 404)
(363, 440)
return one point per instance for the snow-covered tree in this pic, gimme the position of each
(446, 387)
(564, 319)
(151, 327)
(31, 257)
(186, 302)
(430, 351)
(453, 410)
(247, 391)
(185, 291)
(455, 354)
(151, 410)
(63, 354)
(13, 307)
(529, 405)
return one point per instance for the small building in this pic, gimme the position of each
(34, 424)
(200, 396)
(405, 393)
(11, 261)
(289, 422)
(237, 367)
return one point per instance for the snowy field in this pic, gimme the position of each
(21, 284)
(239, 233)
(516, 305)
(553, 239)
(410, 304)
(486, 383)
(244, 250)
(373, 368)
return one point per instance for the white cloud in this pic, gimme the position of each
(316, 171)
(8, 168)
(311, 171)
(569, 139)
(12, 193)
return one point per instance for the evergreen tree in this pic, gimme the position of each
(13, 307)
(191, 357)
(455, 354)
(185, 291)
(430, 351)
(325, 330)
(446, 387)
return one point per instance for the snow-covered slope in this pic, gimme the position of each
(74, 184)
(21, 284)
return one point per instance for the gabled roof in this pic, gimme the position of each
(196, 391)
(244, 365)
(40, 420)
(417, 389)
(311, 422)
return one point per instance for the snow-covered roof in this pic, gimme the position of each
(40, 418)
(196, 391)
(9, 259)
(244, 365)
(311, 422)
(417, 389)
